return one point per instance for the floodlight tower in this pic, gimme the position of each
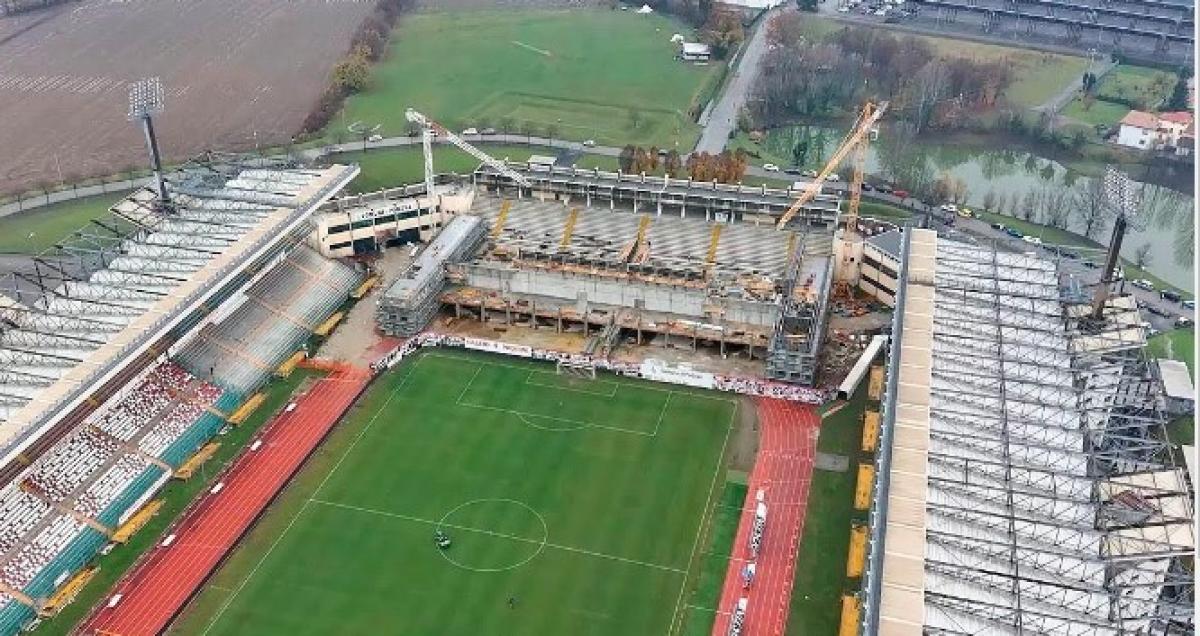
(145, 101)
(1123, 198)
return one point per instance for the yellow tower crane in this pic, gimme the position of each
(847, 244)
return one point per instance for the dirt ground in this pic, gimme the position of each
(235, 72)
(352, 339)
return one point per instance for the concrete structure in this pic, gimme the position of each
(1177, 386)
(365, 223)
(1023, 484)
(620, 278)
(662, 196)
(1169, 132)
(880, 266)
(410, 302)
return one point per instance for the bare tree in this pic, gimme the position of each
(989, 200)
(1141, 257)
(1090, 207)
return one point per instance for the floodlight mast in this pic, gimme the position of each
(145, 101)
(1121, 196)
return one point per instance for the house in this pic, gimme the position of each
(695, 52)
(1148, 131)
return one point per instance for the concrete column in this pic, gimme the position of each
(533, 316)
(482, 311)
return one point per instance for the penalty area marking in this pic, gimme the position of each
(559, 387)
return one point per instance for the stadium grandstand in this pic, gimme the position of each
(124, 348)
(1162, 27)
(1025, 483)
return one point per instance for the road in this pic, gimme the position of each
(723, 118)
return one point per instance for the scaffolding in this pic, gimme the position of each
(1025, 483)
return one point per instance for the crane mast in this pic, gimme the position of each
(855, 141)
(429, 127)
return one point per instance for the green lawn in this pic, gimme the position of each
(821, 564)
(585, 508)
(1100, 112)
(1139, 83)
(33, 231)
(391, 167)
(591, 73)
(176, 496)
(1176, 344)
(715, 560)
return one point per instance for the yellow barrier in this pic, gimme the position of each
(858, 552)
(862, 490)
(851, 610)
(324, 328)
(247, 408)
(196, 461)
(68, 592)
(289, 365)
(870, 431)
(136, 522)
(367, 286)
(875, 384)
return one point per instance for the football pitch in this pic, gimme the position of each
(573, 506)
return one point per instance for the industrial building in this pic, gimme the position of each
(1024, 482)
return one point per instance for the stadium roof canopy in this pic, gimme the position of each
(87, 306)
(1024, 485)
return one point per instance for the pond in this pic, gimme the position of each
(1010, 173)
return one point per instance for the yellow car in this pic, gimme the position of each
(966, 213)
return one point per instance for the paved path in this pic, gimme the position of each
(40, 201)
(723, 117)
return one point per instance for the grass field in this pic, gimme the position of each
(33, 231)
(1149, 86)
(592, 74)
(390, 167)
(821, 564)
(1100, 112)
(585, 508)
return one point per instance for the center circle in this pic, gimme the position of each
(475, 524)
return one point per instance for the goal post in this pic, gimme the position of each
(576, 369)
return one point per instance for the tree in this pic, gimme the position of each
(507, 124)
(1028, 206)
(1141, 257)
(1088, 203)
(672, 164)
(351, 74)
(744, 122)
(1179, 95)
(626, 159)
(989, 200)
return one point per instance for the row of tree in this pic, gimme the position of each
(806, 77)
(726, 167)
(353, 72)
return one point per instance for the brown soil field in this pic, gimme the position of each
(235, 72)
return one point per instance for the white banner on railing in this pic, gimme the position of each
(492, 346)
(659, 371)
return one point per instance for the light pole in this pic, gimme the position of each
(145, 101)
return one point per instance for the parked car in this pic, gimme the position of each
(488, 131)
(1065, 253)
(1157, 311)
(792, 170)
(1090, 265)
(374, 138)
(903, 194)
(770, 167)
(1029, 238)
(1013, 232)
(470, 131)
(1170, 295)
(949, 207)
(1142, 283)
(589, 143)
(1188, 304)
(998, 226)
(1183, 321)
(966, 213)
(885, 188)
(866, 187)
(811, 174)
(833, 177)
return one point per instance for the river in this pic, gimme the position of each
(1013, 173)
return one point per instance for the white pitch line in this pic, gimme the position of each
(237, 590)
(704, 519)
(557, 546)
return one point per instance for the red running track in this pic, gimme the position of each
(163, 581)
(783, 469)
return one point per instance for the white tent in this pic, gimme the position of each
(645, 9)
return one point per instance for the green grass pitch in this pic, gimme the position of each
(582, 499)
(595, 74)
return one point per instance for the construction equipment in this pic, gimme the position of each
(855, 141)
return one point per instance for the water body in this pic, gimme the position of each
(1013, 173)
